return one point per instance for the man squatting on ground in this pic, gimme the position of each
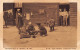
(30, 31)
(5, 16)
(42, 30)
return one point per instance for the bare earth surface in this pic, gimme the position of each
(63, 36)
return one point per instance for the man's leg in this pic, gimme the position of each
(19, 30)
(45, 32)
(6, 23)
(61, 20)
(53, 28)
(65, 21)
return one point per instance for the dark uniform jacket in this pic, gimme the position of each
(51, 22)
(5, 16)
(42, 30)
(20, 21)
(31, 27)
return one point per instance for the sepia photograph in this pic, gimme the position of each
(40, 24)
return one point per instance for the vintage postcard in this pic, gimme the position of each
(42, 25)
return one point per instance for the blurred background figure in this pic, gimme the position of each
(51, 24)
(17, 14)
(60, 17)
(65, 17)
(31, 29)
(5, 17)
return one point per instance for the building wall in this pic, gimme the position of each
(51, 11)
(73, 14)
(7, 6)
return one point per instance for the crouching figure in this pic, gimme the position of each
(42, 30)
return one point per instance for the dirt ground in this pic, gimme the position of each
(62, 36)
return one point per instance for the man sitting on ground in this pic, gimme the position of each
(42, 30)
(30, 29)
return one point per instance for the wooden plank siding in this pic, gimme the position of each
(73, 14)
(51, 11)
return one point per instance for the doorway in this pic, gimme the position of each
(15, 13)
(64, 18)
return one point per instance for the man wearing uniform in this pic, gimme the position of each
(19, 22)
(42, 30)
(65, 17)
(28, 32)
(5, 16)
(31, 29)
(60, 17)
(51, 24)
(17, 14)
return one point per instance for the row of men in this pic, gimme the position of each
(64, 17)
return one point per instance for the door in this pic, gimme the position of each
(64, 14)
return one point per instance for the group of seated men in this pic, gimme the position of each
(31, 31)
(42, 30)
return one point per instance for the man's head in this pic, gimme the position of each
(18, 10)
(29, 23)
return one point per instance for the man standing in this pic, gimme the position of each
(60, 17)
(61, 20)
(65, 17)
(51, 24)
(19, 22)
(17, 14)
(5, 16)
